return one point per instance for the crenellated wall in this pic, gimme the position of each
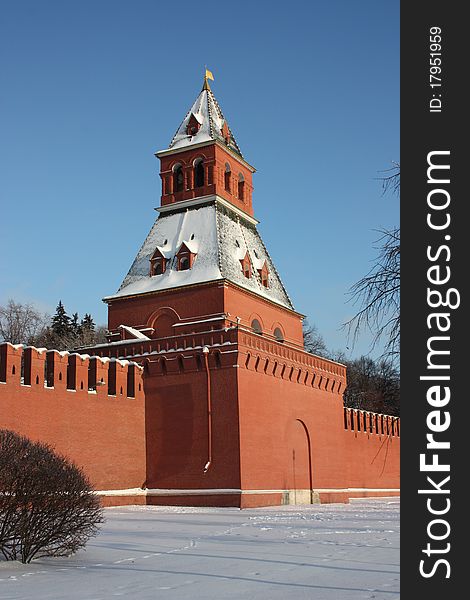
(297, 442)
(267, 415)
(90, 409)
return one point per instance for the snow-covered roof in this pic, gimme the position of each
(134, 332)
(220, 238)
(209, 115)
(164, 250)
(191, 245)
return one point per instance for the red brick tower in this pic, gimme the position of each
(236, 412)
(203, 260)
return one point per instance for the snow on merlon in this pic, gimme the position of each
(219, 238)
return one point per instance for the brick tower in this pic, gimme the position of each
(236, 412)
(203, 260)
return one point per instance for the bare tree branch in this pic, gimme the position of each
(378, 292)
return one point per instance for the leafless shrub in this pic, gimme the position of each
(47, 505)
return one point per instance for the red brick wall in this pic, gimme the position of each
(186, 302)
(286, 408)
(177, 424)
(103, 434)
(278, 422)
(239, 303)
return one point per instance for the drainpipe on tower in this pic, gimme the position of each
(205, 351)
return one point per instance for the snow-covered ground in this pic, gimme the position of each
(321, 552)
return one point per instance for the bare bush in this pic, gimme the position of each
(47, 504)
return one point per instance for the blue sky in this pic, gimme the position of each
(90, 90)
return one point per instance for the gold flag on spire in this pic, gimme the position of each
(209, 75)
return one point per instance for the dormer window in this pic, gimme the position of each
(183, 264)
(264, 275)
(186, 256)
(193, 125)
(178, 178)
(158, 268)
(246, 266)
(198, 173)
(226, 133)
(227, 176)
(241, 187)
(158, 262)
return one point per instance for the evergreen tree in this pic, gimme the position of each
(75, 326)
(61, 326)
(87, 330)
(87, 323)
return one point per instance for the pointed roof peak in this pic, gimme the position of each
(204, 122)
(207, 75)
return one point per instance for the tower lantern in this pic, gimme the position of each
(204, 159)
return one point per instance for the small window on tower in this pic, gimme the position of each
(186, 256)
(178, 178)
(264, 275)
(245, 263)
(256, 326)
(198, 173)
(184, 263)
(241, 187)
(193, 125)
(278, 334)
(158, 262)
(227, 176)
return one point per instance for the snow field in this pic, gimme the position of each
(319, 552)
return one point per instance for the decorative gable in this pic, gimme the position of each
(158, 262)
(246, 265)
(226, 133)
(264, 274)
(186, 256)
(194, 124)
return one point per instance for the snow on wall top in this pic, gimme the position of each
(221, 239)
(138, 335)
(209, 115)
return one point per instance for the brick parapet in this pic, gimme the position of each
(39, 368)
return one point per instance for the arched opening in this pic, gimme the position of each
(299, 476)
(162, 321)
(227, 176)
(278, 334)
(256, 326)
(184, 263)
(178, 178)
(198, 173)
(241, 187)
(158, 268)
